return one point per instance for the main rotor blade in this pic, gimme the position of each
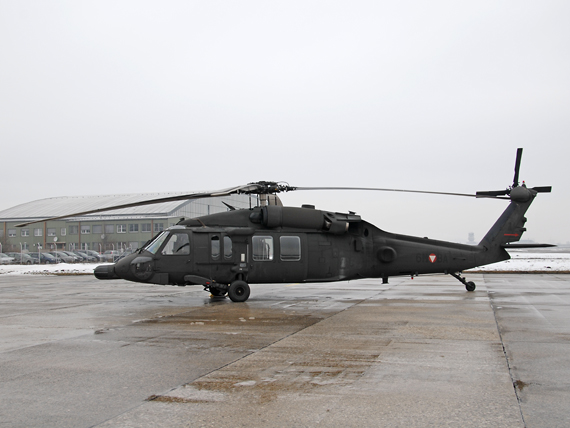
(386, 190)
(517, 167)
(189, 196)
(261, 187)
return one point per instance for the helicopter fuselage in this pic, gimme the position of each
(275, 244)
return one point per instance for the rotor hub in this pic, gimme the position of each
(266, 187)
(520, 194)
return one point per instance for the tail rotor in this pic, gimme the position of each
(517, 194)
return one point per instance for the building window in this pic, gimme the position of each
(133, 228)
(145, 228)
(97, 229)
(109, 228)
(25, 232)
(73, 230)
(51, 231)
(85, 230)
(63, 231)
(121, 228)
(290, 248)
(38, 232)
(158, 227)
(262, 248)
(11, 233)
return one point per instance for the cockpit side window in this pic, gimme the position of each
(178, 245)
(156, 243)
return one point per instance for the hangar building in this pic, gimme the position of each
(127, 228)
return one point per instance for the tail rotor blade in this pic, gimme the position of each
(517, 167)
(492, 193)
(542, 189)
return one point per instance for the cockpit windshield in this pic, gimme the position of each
(156, 243)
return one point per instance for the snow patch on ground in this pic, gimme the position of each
(58, 269)
(531, 262)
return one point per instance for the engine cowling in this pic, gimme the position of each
(273, 216)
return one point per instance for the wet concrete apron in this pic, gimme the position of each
(78, 352)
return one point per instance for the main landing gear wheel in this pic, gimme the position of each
(470, 286)
(238, 291)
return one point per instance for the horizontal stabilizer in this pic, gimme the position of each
(518, 246)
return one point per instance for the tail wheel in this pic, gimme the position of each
(239, 291)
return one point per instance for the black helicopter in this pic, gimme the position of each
(271, 243)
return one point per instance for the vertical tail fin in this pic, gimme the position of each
(510, 225)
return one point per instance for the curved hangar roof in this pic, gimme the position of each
(62, 205)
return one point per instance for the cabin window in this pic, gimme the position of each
(262, 248)
(227, 248)
(290, 248)
(178, 245)
(215, 241)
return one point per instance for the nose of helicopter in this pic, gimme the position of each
(105, 272)
(119, 270)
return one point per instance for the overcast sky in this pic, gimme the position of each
(102, 97)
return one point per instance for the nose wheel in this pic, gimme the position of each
(469, 285)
